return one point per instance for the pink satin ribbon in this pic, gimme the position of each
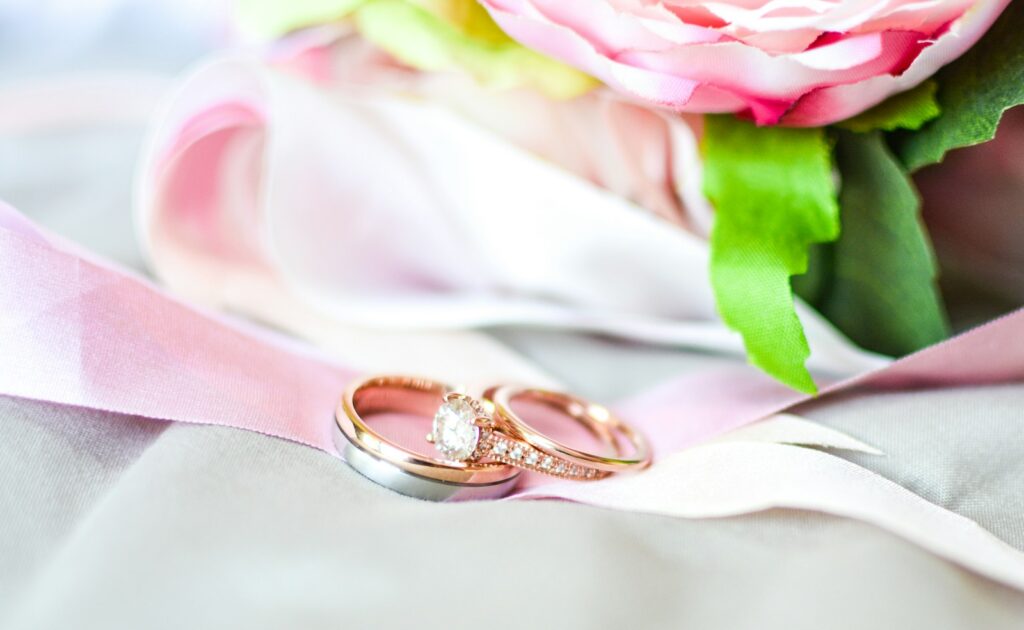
(75, 330)
(78, 331)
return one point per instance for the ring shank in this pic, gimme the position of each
(633, 452)
(390, 476)
(397, 467)
(383, 394)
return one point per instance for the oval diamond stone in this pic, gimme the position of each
(455, 433)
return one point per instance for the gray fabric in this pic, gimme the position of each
(114, 522)
(959, 448)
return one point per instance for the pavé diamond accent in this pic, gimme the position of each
(525, 456)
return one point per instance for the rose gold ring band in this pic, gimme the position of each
(630, 447)
(482, 444)
(409, 395)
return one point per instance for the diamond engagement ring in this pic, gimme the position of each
(480, 445)
(402, 469)
(469, 430)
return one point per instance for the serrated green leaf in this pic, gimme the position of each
(974, 91)
(773, 195)
(882, 291)
(906, 110)
(813, 284)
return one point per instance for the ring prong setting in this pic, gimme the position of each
(456, 430)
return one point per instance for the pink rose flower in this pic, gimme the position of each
(791, 62)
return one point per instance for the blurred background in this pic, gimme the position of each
(79, 81)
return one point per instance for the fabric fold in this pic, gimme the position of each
(255, 169)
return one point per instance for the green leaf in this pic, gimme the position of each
(428, 35)
(882, 292)
(813, 284)
(773, 195)
(422, 38)
(906, 110)
(974, 91)
(273, 18)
